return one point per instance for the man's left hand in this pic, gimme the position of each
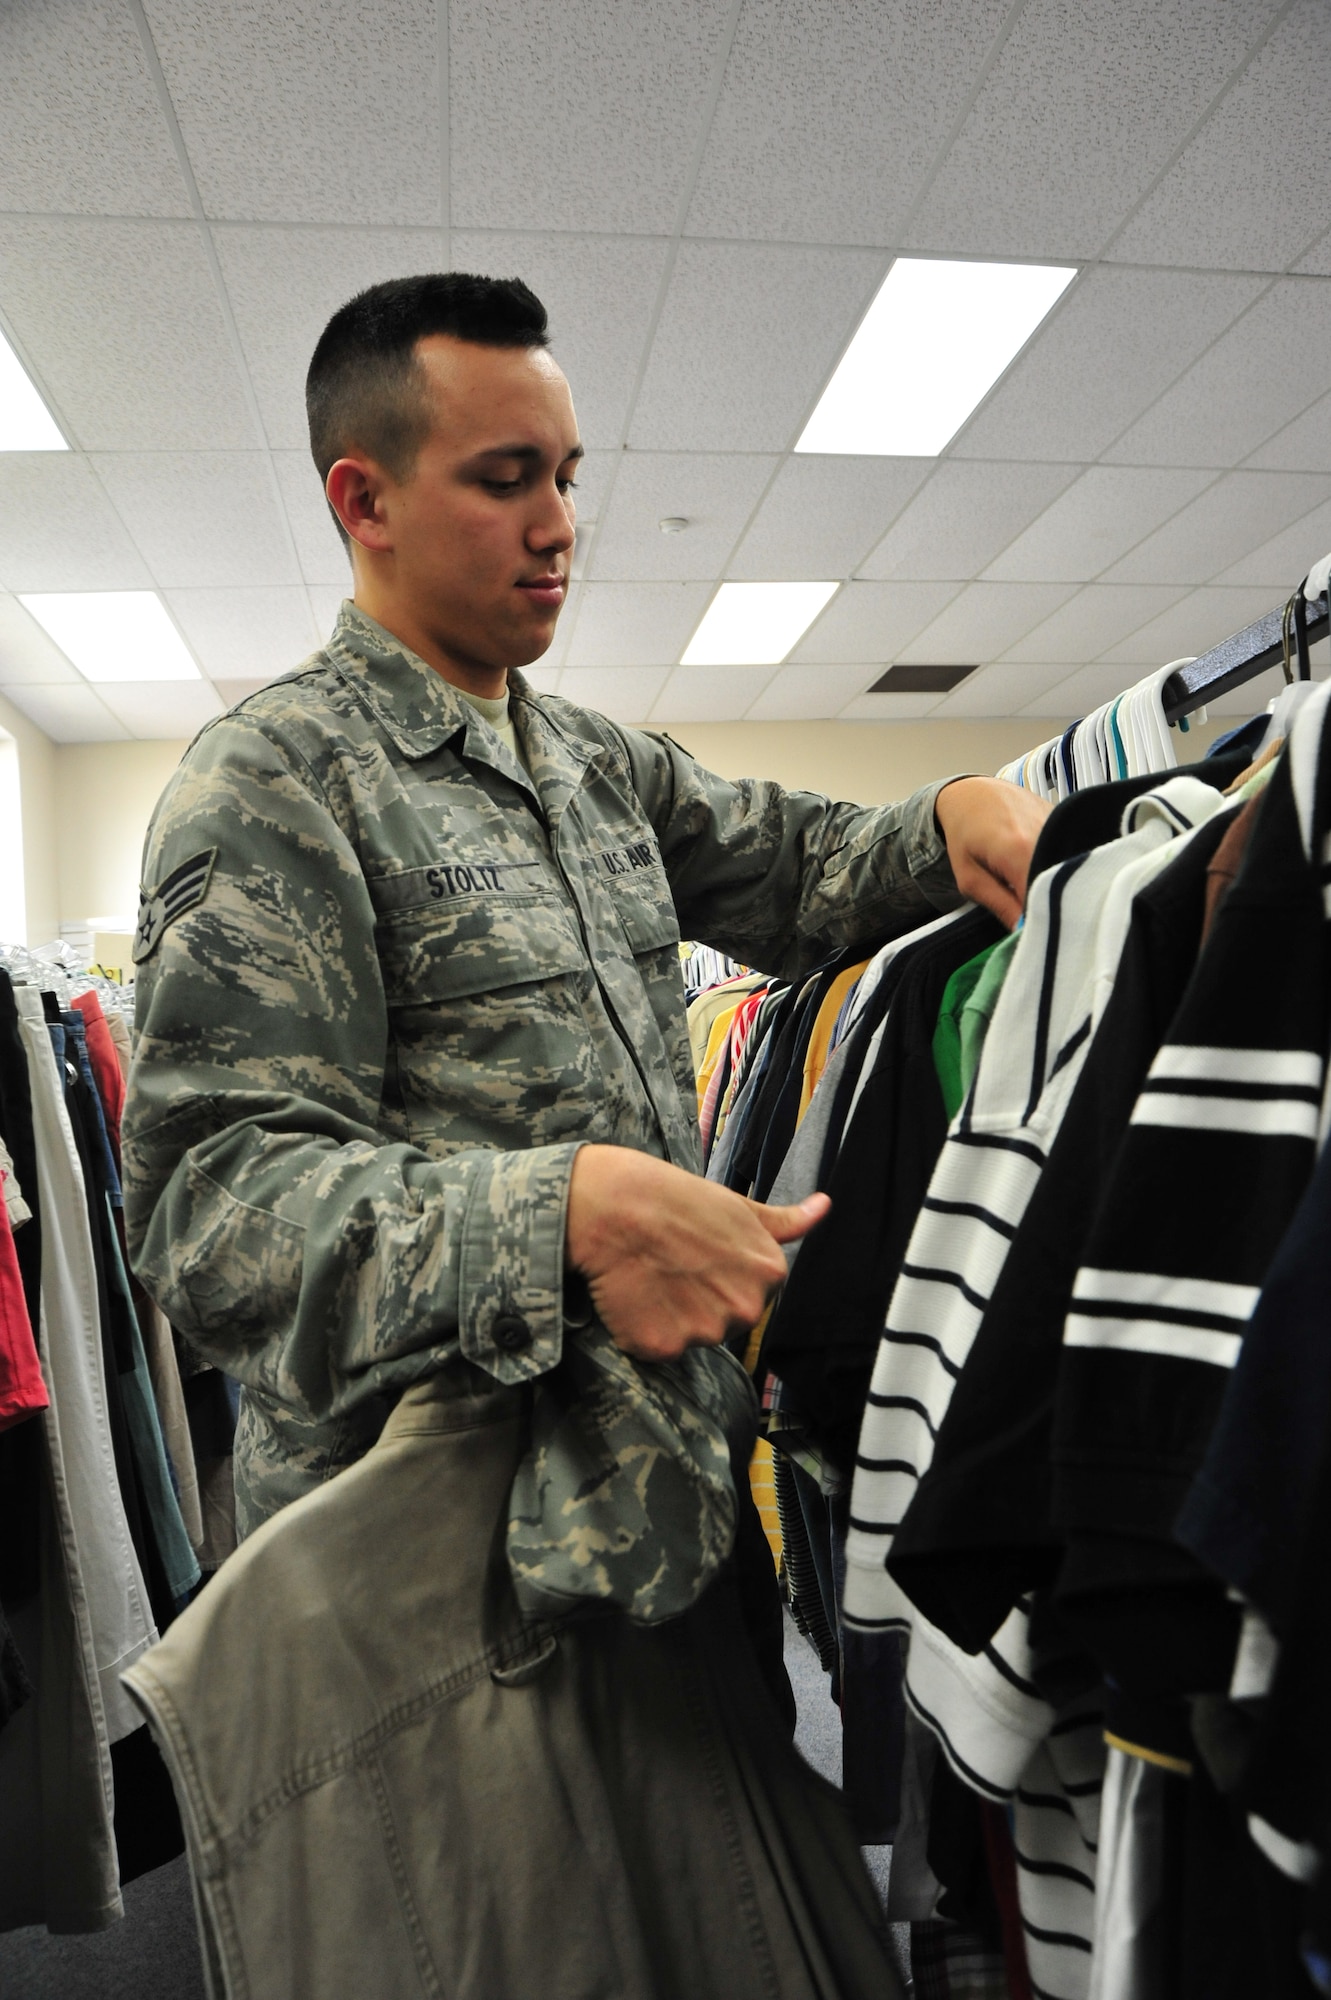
(991, 828)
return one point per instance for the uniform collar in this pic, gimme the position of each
(421, 712)
(410, 701)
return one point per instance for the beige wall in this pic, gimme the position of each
(36, 768)
(869, 762)
(104, 798)
(872, 762)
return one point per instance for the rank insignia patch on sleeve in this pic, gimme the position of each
(184, 888)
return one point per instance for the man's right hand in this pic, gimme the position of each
(673, 1261)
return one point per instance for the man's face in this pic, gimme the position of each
(480, 533)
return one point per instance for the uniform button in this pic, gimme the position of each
(511, 1332)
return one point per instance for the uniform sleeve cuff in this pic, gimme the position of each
(511, 1268)
(926, 849)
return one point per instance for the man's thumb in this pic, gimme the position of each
(787, 1225)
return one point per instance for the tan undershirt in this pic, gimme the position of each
(497, 713)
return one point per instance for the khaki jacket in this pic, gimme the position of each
(394, 1790)
(388, 982)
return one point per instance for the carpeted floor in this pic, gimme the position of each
(818, 1734)
(154, 1953)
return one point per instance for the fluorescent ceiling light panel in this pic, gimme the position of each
(25, 422)
(931, 346)
(114, 635)
(754, 624)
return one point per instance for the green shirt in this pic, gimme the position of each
(947, 1035)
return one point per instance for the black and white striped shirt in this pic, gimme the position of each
(990, 1718)
(1221, 1145)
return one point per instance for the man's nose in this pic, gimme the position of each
(551, 527)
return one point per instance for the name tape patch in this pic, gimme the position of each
(451, 881)
(184, 889)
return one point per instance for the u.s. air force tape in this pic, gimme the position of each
(184, 888)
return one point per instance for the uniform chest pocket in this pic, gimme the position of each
(483, 941)
(647, 914)
(633, 880)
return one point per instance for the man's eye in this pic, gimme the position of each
(502, 485)
(567, 485)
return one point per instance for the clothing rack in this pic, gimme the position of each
(1282, 637)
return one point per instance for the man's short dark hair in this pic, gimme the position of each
(365, 390)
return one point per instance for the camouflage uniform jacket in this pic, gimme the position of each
(388, 982)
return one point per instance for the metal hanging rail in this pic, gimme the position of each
(1271, 642)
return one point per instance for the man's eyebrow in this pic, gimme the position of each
(530, 454)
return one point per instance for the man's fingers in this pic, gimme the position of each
(1011, 867)
(991, 828)
(787, 1225)
(995, 895)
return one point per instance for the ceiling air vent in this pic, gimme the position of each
(920, 680)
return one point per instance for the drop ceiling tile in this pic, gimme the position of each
(58, 530)
(635, 624)
(1303, 446)
(812, 694)
(1318, 258)
(1081, 692)
(201, 518)
(323, 560)
(746, 339)
(714, 491)
(889, 708)
(73, 714)
(1250, 189)
(829, 116)
(326, 601)
(80, 126)
(544, 679)
(230, 692)
(1088, 624)
(1233, 517)
(1113, 343)
(1098, 519)
(822, 513)
(285, 285)
(600, 293)
(983, 620)
(1280, 563)
(326, 112)
(27, 656)
(584, 110)
(1082, 108)
(1191, 627)
(244, 633)
(161, 711)
(1256, 379)
(964, 516)
(710, 694)
(1000, 690)
(122, 324)
(871, 623)
(625, 694)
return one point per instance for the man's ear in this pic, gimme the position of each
(355, 488)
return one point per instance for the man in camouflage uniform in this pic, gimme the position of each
(412, 1047)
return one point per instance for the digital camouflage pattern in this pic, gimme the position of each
(417, 979)
(627, 1491)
